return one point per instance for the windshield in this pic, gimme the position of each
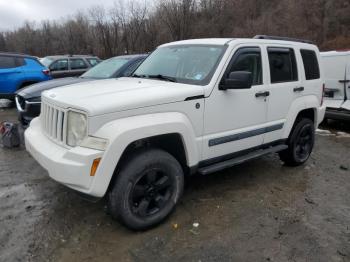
(106, 69)
(189, 64)
(46, 61)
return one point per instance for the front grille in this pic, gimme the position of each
(53, 121)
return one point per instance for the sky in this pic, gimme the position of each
(14, 12)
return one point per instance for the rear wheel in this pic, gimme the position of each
(300, 143)
(146, 190)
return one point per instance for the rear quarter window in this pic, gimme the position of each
(20, 61)
(311, 66)
(93, 61)
(7, 62)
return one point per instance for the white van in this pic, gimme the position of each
(336, 67)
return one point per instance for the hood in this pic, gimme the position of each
(35, 90)
(113, 95)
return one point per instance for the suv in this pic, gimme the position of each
(69, 65)
(193, 106)
(17, 71)
(337, 89)
(28, 100)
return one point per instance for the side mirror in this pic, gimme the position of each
(237, 80)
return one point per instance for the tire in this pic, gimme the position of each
(146, 190)
(300, 143)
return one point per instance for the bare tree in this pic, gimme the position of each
(139, 26)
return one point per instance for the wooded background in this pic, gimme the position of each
(138, 27)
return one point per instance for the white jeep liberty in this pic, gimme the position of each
(194, 106)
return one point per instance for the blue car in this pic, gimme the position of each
(17, 71)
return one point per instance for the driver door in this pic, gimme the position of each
(234, 119)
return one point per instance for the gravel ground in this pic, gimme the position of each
(258, 211)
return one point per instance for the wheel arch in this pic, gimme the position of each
(171, 132)
(26, 83)
(303, 107)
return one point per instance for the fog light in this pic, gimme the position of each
(94, 166)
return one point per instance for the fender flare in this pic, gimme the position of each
(122, 132)
(298, 105)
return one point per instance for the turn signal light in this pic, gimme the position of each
(94, 166)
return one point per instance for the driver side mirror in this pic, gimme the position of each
(237, 80)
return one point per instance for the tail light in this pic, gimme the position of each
(46, 72)
(323, 93)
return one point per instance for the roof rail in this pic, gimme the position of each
(15, 54)
(282, 38)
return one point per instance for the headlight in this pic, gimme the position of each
(76, 128)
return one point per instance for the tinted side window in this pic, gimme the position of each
(248, 59)
(132, 68)
(93, 61)
(77, 64)
(59, 65)
(20, 61)
(7, 62)
(311, 67)
(283, 66)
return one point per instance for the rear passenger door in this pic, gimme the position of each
(77, 66)
(59, 68)
(284, 86)
(10, 74)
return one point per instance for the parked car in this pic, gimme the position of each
(194, 106)
(69, 65)
(28, 100)
(337, 88)
(18, 71)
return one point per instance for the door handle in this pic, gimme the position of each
(262, 94)
(298, 89)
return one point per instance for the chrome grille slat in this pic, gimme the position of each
(59, 125)
(53, 121)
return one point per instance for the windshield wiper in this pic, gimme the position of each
(138, 76)
(163, 77)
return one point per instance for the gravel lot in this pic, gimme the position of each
(258, 211)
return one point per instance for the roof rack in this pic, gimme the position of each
(282, 38)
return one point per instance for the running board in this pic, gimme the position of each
(238, 160)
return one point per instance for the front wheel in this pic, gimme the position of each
(300, 143)
(146, 190)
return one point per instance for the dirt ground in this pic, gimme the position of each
(258, 211)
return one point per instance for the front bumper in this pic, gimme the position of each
(337, 114)
(69, 166)
(27, 111)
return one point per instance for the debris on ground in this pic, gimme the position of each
(196, 224)
(310, 201)
(9, 135)
(345, 168)
(341, 253)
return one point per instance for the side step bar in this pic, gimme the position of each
(238, 160)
